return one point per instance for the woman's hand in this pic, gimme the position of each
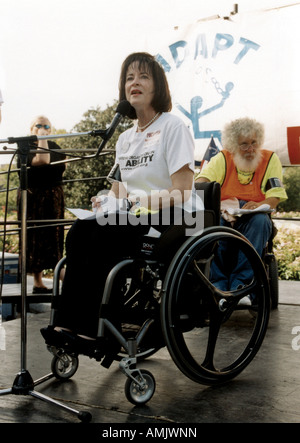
(43, 156)
(108, 203)
(96, 203)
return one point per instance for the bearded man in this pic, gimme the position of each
(250, 176)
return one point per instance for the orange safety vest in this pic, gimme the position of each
(231, 187)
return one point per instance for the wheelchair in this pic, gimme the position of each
(167, 299)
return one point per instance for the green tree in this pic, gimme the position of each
(79, 193)
(292, 186)
(10, 181)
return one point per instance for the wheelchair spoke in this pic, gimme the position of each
(214, 329)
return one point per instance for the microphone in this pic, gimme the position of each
(122, 110)
(114, 174)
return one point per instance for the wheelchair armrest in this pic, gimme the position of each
(212, 200)
(177, 233)
(173, 237)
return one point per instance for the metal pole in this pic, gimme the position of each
(33, 138)
(24, 148)
(23, 278)
(48, 137)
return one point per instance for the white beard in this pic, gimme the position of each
(247, 164)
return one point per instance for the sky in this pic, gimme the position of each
(62, 57)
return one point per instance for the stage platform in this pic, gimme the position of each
(267, 391)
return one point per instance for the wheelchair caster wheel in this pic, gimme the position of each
(140, 394)
(64, 366)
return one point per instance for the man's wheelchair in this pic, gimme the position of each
(167, 299)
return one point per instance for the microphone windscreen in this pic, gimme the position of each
(124, 108)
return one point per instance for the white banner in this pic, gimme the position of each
(247, 65)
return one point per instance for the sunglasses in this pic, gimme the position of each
(42, 126)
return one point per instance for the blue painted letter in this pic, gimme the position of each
(248, 44)
(174, 52)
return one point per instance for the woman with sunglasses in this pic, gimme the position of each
(45, 201)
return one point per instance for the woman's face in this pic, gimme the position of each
(41, 127)
(139, 87)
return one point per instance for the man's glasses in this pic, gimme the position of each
(42, 126)
(246, 146)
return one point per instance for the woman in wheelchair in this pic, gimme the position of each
(250, 177)
(155, 159)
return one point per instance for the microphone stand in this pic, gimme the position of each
(23, 383)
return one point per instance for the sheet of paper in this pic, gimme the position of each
(154, 233)
(82, 214)
(237, 211)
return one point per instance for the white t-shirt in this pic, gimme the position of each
(148, 159)
(1, 98)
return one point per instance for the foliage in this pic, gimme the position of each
(11, 244)
(287, 215)
(11, 182)
(287, 253)
(79, 193)
(292, 186)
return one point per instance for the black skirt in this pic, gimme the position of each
(44, 245)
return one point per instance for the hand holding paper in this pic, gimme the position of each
(230, 209)
(239, 212)
(108, 203)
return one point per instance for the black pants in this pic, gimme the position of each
(91, 252)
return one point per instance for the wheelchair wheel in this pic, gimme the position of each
(210, 336)
(140, 394)
(64, 366)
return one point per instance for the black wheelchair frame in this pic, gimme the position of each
(167, 299)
